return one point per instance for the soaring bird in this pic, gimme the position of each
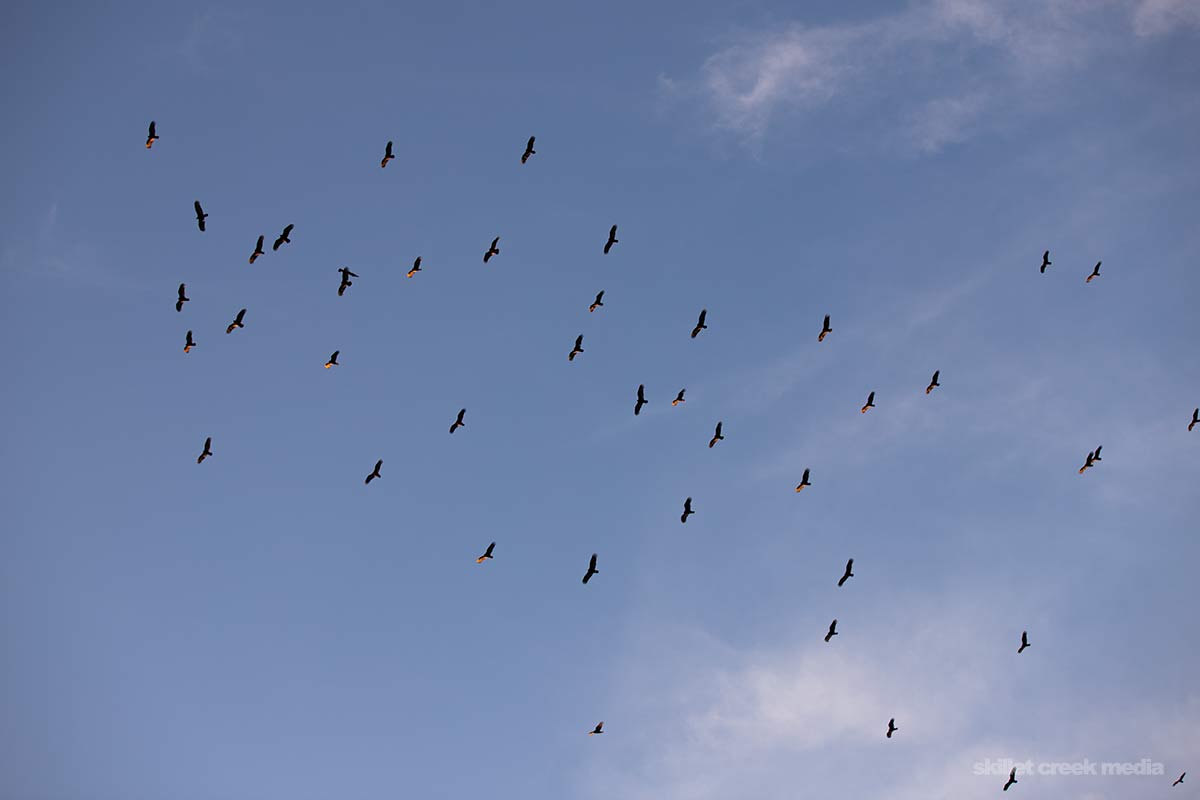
(346, 282)
(1045, 261)
(458, 422)
(687, 510)
(237, 321)
(1091, 462)
(577, 349)
(1012, 778)
(206, 452)
(189, 344)
(848, 574)
(1179, 781)
(332, 362)
(597, 730)
(825, 330)
(1024, 642)
(591, 570)
(416, 267)
(717, 436)
(803, 480)
(200, 215)
(870, 402)
(933, 382)
(891, 727)
(641, 399)
(1095, 273)
(283, 237)
(700, 323)
(1195, 419)
(612, 239)
(183, 298)
(597, 303)
(529, 151)
(832, 631)
(492, 250)
(151, 136)
(387, 155)
(375, 472)
(258, 249)
(487, 554)
(1096, 454)
(678, 398)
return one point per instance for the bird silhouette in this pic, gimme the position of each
(687, 510)
(891, 727)
(832, 631)
(487, 554)
(1095, 272)
(258, 249)
(387, 155)
(933, 382)
(206, 452)
(183, 298)
(416, 267)
(151, 135)
(1096, 453)
(700, 323)
(1089, 463)
(237, 321)
(591, 570)
(597, 303)
(717, 436)
(332, 362)
(1195, 419)
(283, 237)
(612, 239)
(458, 422)
(597, 730)
(529, 151)
(803, 480)
(1045, 261)
(1179, 780)
(346, 283)
(1012, 778)
(1024, 642)
(870, 402)
(492, 250)
(848, 574)
(375, 472)
(825, 330)
(678, 398)
(200, 215)
(641, 399)
(189, 344)
(577, 349)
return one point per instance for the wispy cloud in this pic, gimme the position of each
(1157, 17)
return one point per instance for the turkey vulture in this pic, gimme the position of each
(848, 574)
(1091, 462)
(598, 302)
(687, 510)
(1024, 642)
(458, 422)
(183, 298)
(891, 727)
(151, 136)
(189, 344)
(237, 321)
(258, 251)
(1195, 419)
(591, 570)
(832, 631)
(416, 267)
(492, 250)
(332, 362)
(1012, 774)
(700, 323)
(200, 215)
(486, 553)
(825, 330)
(1095, 273)
(577, 349)
(641, 399)
(283, 238)
(1045, 261)
(529, 151)
(375, 472)
(678, 398)
(612, 239)
(933, 383)
(717, 436)
(346, 282)
(803, 480)
(387, 155)
(1096, 455)
(870, 402)
(1176, 783)
(597, 730)
(206, 452)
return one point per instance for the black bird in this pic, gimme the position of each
(641, 399)
(486, 553)
(891, 727)
(832, 631)
(332, 362)
(206, 452)
(803, 480)
(346, 282)
(189, 344)
(151, 136)
(612, 239)
(717, 436)
(416, 267)
(933, 383)
(387, 155)
(597, 303)
(375, 472)
(283, 238)
(1091, 462)
(237, 321)
(458, 422)
(700, 323)
(1045, 261)
(591, 570)
(258, 249)
(492, 250)
(687, 510)
(577, 349)
(597, 730)
(825, 330)
(528, 150)
(1024, 642)
(870, 402)
(200, 215)
(1096, 455)
(678, 398)
(1176, 783)
(183, 298)
(848, 574)
(1012, 778)
(1095, 273)
(1195, 419)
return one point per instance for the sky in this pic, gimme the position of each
(264, 625)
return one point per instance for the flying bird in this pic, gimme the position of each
(387, 155)
(825, 330)
(849, 573)
(591, 570)
(1091, 462)
(206, 452)
(803, 480)
(700, 323)
(1095, 273)
(237, 321)
(612, 239)
(717, 436)
(597, 303)
(458, 422)
(641, 399)
(332, 362)
(487, 554)
(832, 631)
(258, 249)
(891, 727)
(1024, 642)
(1045, 261)
(577, 349)
(375, 472)
(1012, 778)
(416, 267)
(933, 382)
(1096, 455)
(529, 151)
(678, 398)
(189, 344)
(200, 215)
(597, 730)
(870, 402)
(346, 282)
(151, 136)
(1195, 419)
(1176, 783)
(283, 238)
(687, 510)
(492, 250)
(183, 298)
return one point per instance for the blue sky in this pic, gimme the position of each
(266, 626)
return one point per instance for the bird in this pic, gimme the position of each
(717, 436)
(487, 554)
(1179, 781)
(206, 452)
(1096, 455)
(678, 398)
(1012, 778)
(492, 250)
(1195, 419)
(387, 155)
(933, 382)
(597, 303)
(1095, 272)
(591, 570)
(1091, 462)
(848, 574)
(528, 150)
(332, 362)
(458, 422)
(183, 298)
(416, 267)
(189, 344)
(346, 282)
(825, 330)
(1024, 642)
(612, 239)
(700, 323)
(687, 510)
(891, 727)
(151, 136)
(870, 402)
(283, 237)
(237, 321)
(1045, 261)
(200, 215)
(641, 399)
(597, 730)
(803, 480)
(832, 631)
(375, 472)
(577, 349)
(258, 251)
